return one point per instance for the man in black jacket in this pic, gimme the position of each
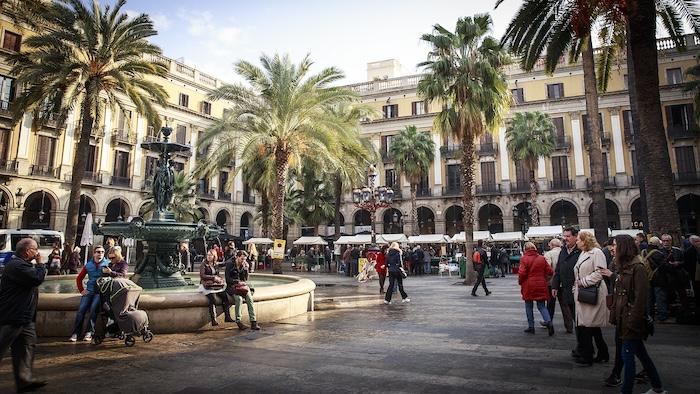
(480, 269)
(563, 280)
(19, 294)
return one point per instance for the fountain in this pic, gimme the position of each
(159, 268)
(172, 303)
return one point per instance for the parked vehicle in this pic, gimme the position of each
(44, 238)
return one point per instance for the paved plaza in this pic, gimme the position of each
(443, 341)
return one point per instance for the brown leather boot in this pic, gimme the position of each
(241, 326)
(254, 326)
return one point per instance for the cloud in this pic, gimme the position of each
(161, 22)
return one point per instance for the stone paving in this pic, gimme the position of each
(442, 341)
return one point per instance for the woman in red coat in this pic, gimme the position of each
(533, 276)
(380, 266)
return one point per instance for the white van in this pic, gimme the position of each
(44, 238)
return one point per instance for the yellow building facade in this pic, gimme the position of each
(502, 185)
(36, 163)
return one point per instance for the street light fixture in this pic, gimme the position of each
(19, 196)
(371, 197)
(524, 214)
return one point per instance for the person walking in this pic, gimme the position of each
(563, 280)
(628, 314)
(393, 262)
(90, 296)
(479, 267)
(533, 276)
(493, 260)
(503, 261)
(380, 267)
(590, 317)
(235, 272)
(19, 295)
(211, 284)
(552, 258)
(691, 262)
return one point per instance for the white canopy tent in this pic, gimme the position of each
(310, 241)
(366, 239)
(508, 237)
(344, 240)
(429, 239)
(544, 231)
(389, 238)
(632, 233)
(258, 241)
(478, 236)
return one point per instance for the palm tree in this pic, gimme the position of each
(313, 203)
(464, 74)
(88, 54)
(529, 136)
(287, 111)
(185, 200)
(413, 152)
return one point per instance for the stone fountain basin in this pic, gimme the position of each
(183, 310)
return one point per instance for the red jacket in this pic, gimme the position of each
(379, 265)
(533, 276)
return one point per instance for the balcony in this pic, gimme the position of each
(562, 184)
(562, 143)
(97, 133)
(397, 192)
(386, 157)
(452, 191)
(488, 189)
(520, 186)
(604, 138)
(424, 192)
(151, 138)
(44, 171)
(5, 109)
(147, 184)
(487, 149)
(608, 183)
(686, 178)
(248, 198)
(8, 166)
(206, 194)
(681, 133)
(450, 151)
(92, 177)
(224, 196)
(120, 181)
(123, 137)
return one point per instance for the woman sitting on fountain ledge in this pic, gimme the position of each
(210, 284)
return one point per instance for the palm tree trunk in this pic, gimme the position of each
(599, 214)
(338, 196)
(265, 210)
(281, 167)
(533, 198)
(78, 173)
(657, 176)
(638, 147)
(414, 209)
(468, 203)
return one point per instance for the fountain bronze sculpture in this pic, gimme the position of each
(159, 265)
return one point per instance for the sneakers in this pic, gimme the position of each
(406, 300)
(88, 337)
(387, 302)
(73, 338)
(612, 381)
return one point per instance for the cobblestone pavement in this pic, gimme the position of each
(443, 341)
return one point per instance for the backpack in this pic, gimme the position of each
(646, 254)
(476, 257)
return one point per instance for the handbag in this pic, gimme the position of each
(404, 275)
(589, 294)
(215, 283)
(241, 288)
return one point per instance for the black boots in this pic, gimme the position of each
(227, 311)
(212, 315)
(254, 325)
(241, 326)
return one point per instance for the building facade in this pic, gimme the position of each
(564, 179)
(36, 163)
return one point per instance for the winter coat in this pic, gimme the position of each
(393, 261)
(533, 276)
(119, 269)
(628, 311)
(19, 291)
(94, 272)
(563, 279)
(380, 264)
(585, 272)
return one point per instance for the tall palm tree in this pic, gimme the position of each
(185, 199)
(464, 74)
(413, 152)
(90, 53)
(529, 136)
(313, 202)
(286, 110)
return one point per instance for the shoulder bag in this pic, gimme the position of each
(589, 294)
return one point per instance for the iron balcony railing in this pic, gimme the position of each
(423, 192)
(453, 190)
(450, 151)
(487, 149)
(207, 194)
(562, 143)
(488, 189)
(687, 178)
(92, 177)
(44, 171)
(248, 199)
(123, 136)
(123, 181)
(608, 182)
(520, 187)
(562, 184)
(8, 166)
(224, 196)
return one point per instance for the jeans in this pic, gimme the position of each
(531, 316)
(617, 366)
(395, 277)
(426, 267)
(21, 339)
(480, 281)
(382, 278)
(567, 312)
(630, 349)
(237, 300)
(88, 301)
(658, 298)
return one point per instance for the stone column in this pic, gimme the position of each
(625, 220)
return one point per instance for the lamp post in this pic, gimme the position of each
(524, 215)
(371, 197)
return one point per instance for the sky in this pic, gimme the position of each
(213, 35)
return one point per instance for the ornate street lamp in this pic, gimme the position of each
(524, 215)
(19, 196)
(371, 198)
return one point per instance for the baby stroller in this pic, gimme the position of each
(120, 314)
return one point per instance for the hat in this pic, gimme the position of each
(655, 241)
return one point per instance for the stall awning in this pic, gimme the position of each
(632, 233)
(258, 241)
(344, 240)
(310, 241)
(389, 238)
(478, 236)
(429, 239)
(544, 232)
(508, 237)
